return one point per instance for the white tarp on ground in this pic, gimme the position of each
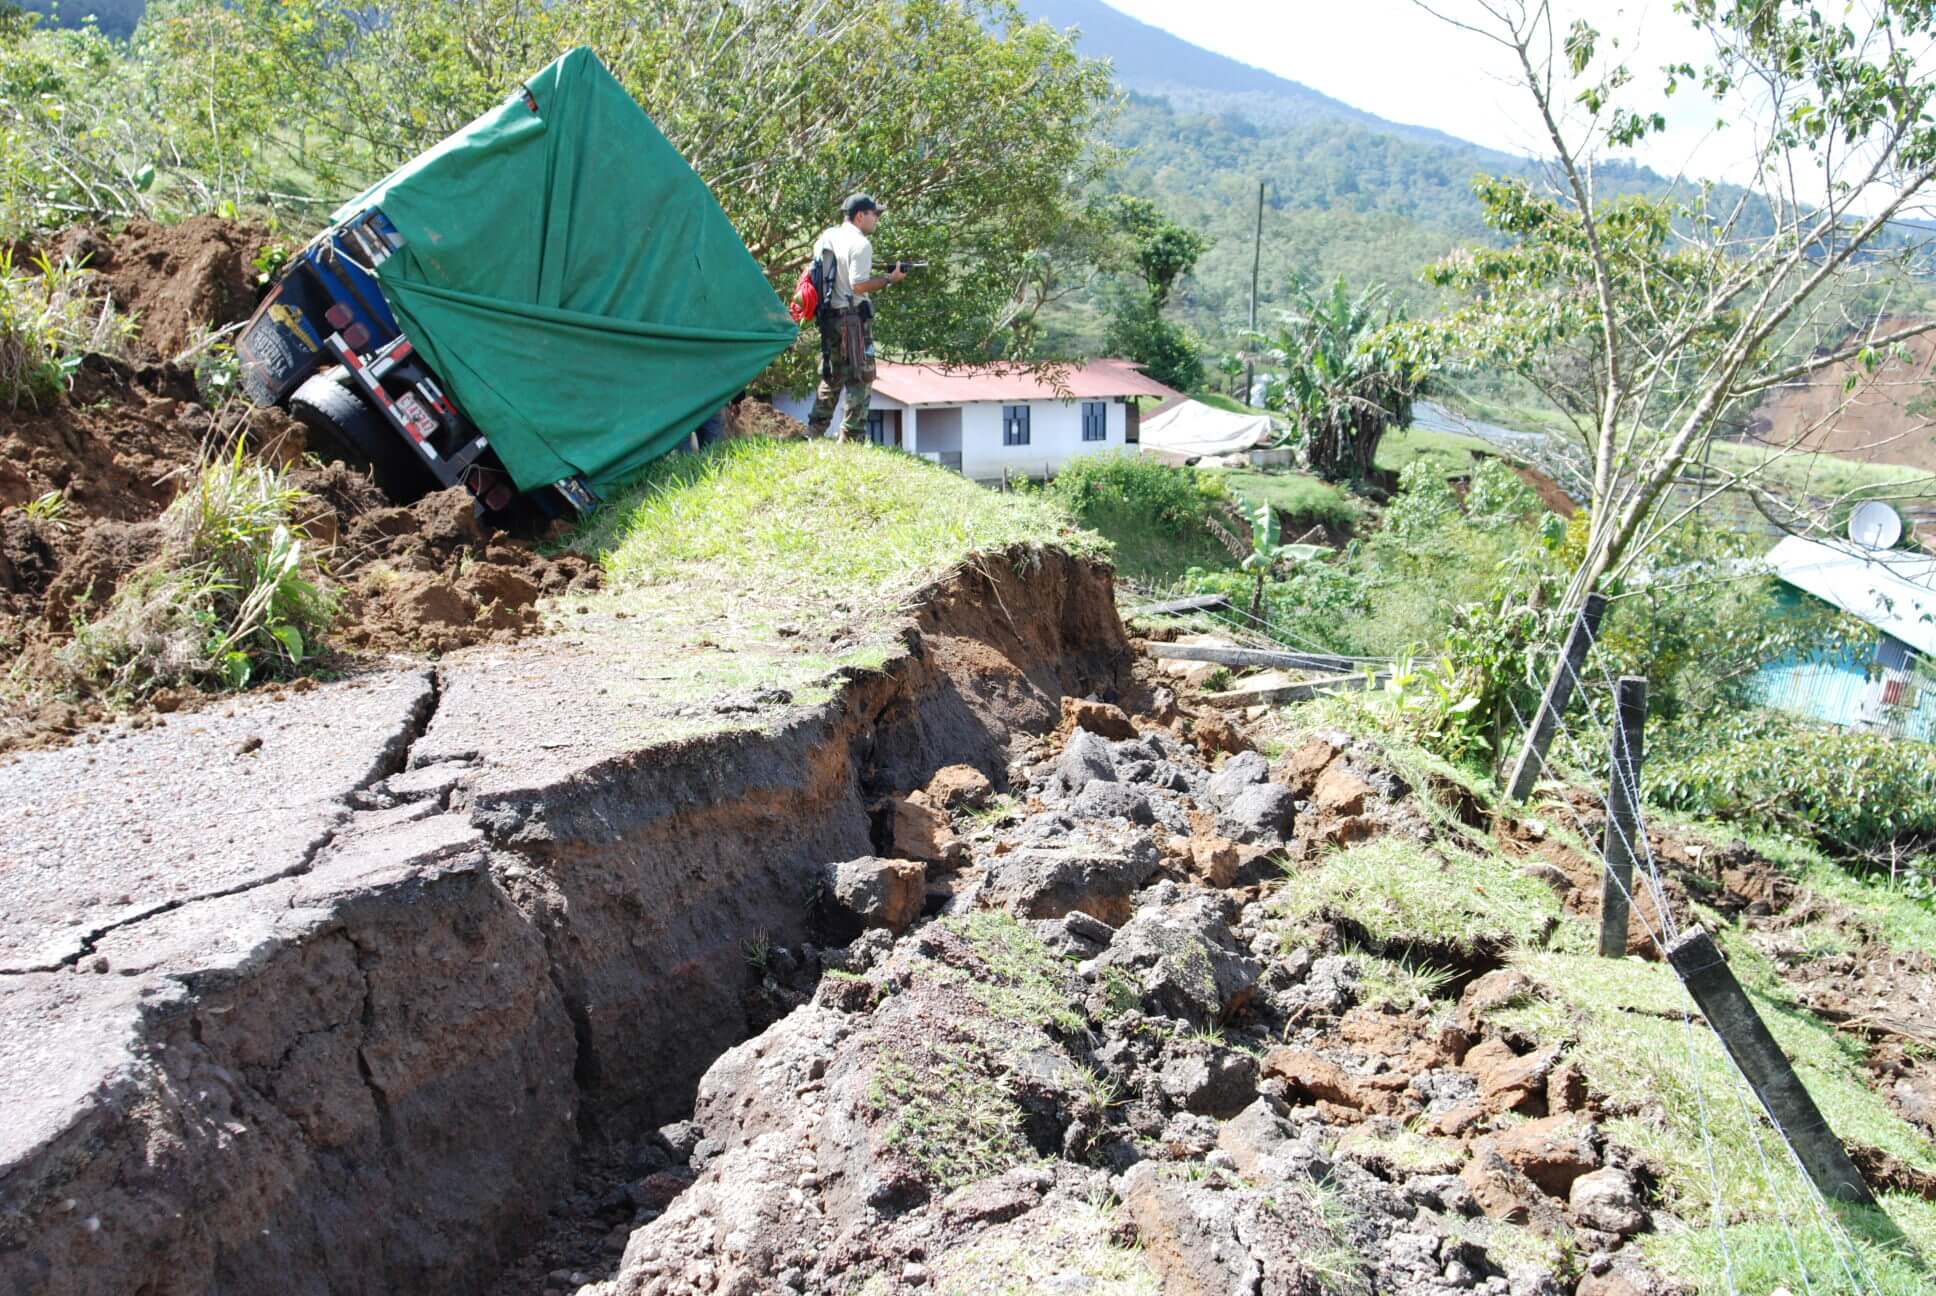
(1191, 428)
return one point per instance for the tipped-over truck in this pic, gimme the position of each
(535, 308)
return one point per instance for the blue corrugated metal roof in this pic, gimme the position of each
(1892, 590)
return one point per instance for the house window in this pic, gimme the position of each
(1095, 421)
(877, 427)
(1015, 425)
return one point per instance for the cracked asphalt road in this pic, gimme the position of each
(97, 835)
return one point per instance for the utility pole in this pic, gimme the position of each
(1256, 261)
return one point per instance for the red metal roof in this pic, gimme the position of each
(933, 385)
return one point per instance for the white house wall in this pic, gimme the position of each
(1055, 434)
(1055, 437)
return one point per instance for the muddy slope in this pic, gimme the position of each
(362, 1057)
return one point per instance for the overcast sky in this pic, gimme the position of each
(1392, 58)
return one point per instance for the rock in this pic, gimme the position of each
(1566, 1091)
(1532, 1280)
(1100, 800)
(1508, 1082)
(1185, 960)
(919, 832)
(1339, 793)
(1194, 673)
(1216, 860)
(1331, 986)
(958, 787)
(1214, 734)
(1209, 1238)
(1214, 1082)
(1441, 1192)
(1085, 759)
(877, 892)
(1316, 1078)
(1496, 989)
(1084, 927)
(1552, 1151)
(1607, 1200)
(1299, 771)
(1046, 882)
(1259, 814)
(1505, 1194)
(1242, 771)
(680, 1138)
(1098, 718)
(993, 1201)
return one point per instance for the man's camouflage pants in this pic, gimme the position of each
(847, 365)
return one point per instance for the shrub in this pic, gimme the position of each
(1176, 499)
(50, 318)
(1856, 793)
(234, 595)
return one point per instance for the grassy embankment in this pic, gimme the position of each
(1629, 1026)
(771, 564)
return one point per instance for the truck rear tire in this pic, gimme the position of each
(342, 425)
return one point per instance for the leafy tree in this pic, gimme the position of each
(1160, 252)
(972, 125)
(1351, 373)
(1674, 315)
(1165, 350)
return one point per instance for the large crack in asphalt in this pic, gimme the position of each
(393, 758)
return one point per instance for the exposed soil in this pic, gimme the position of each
(178, 281)
(1873, 424)
(118, 446)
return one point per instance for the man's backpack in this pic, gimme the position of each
(816, 285)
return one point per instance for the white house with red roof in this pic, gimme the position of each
(983, 419)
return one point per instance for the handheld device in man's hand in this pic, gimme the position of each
(905, 266)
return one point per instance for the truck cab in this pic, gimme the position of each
(325, 344)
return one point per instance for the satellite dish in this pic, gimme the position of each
(1874, 525)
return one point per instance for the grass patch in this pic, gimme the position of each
(234, 597)
(1299, 496)
(1029, 984)
(1075, 1253)
(948, 1095)
(1448, 452)
(949, 1118)
(1155, 517)
(1625, 1017)
(51, 315)
(813, 516)
(1396, 893)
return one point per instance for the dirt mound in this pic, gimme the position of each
(428, 578)
(178, 280)
(758, 419)
(99, 467)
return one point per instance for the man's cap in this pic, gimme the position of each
(858, 203)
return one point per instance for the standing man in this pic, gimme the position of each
(846, 318)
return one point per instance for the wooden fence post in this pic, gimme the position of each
(1623, 816)
(1705, 973)
(1559, 692)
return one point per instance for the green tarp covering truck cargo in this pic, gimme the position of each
(549, 297)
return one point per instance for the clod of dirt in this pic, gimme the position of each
(179, 280)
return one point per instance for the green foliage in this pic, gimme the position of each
(1351, 372)
(970, 124)
(1438, 703)
(1857, 793)
(947, 1117)
(1167, 351)
(1300, 498)
(1154, 515)
(50, 317)
(235, 595)
(1161, 250)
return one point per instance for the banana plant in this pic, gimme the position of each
(1266, 553)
